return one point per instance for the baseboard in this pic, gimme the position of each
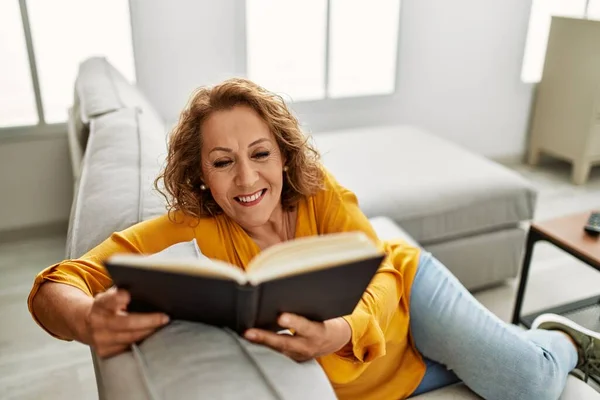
(37, 231)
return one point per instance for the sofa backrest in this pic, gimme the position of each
(100, 89)
(125, 152)
(123, 142)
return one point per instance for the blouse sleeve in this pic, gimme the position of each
(338, 211)
(88, 273)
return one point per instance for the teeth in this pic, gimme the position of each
(248, 199)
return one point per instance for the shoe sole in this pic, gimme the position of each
(558, 322)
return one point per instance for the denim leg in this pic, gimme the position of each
(436, 376)
(495, 359)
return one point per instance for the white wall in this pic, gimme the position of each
(459, 72)
(180, 45)
(459, 67)
(458, 75)
(36, 185)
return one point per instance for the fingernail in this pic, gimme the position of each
(165, 319)
(250, 335)
(284, 319)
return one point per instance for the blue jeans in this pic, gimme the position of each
(462, 340)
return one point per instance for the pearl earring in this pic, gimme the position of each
(203, 187)
(285, 168)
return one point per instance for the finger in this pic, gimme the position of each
(300, 325)
(136, 321)
(113, 300)
(288, 345)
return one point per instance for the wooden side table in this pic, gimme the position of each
(567, 234)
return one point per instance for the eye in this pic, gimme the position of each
(262, 154)
(221, 163)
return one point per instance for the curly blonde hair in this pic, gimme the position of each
(182, 173)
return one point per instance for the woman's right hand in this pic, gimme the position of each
(110, 329)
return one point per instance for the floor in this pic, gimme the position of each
(34, 366)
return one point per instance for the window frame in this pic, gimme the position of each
(43, 129)
(241, 52)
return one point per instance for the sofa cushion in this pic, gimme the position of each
(481, 260)
(574, 390)
(186, 360)
(99, 89)
(125, 152)
(187, 249)
(434, 189)
(95, 92)
(386, 229)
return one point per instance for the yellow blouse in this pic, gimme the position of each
(380, 363)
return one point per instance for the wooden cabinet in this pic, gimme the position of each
(566, 114)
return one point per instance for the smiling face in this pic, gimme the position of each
(242, 165)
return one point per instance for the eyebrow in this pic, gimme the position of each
(228, 150)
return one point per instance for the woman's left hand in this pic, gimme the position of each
(311, 339)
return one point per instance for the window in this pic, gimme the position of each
(363, 46)
(285, 55)
(59, 34)
(17, 102)
(317, 49)
(539, 29)
(62, 39)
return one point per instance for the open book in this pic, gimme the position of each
(318, 277)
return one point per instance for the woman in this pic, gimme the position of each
(240, 177)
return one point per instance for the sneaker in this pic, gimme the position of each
(588, 342)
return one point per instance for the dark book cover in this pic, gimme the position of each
(317, 295)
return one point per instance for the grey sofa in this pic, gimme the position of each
(463, 208)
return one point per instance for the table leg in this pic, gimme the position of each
(532, 237)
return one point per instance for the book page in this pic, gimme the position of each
(310, 254)
(208, 268)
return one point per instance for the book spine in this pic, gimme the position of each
(246, 307)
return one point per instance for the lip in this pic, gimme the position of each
(252, 203)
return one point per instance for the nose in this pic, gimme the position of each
(246, 176)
